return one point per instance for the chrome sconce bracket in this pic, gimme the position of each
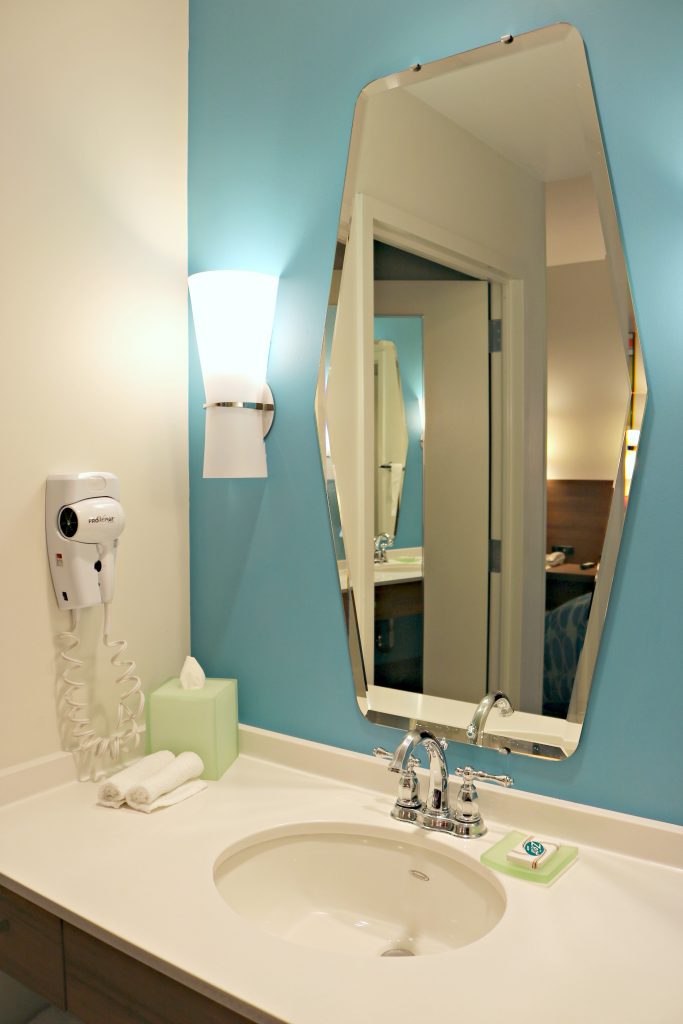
(266, 408)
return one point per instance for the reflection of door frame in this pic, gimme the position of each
(523, 372)
(457, 595)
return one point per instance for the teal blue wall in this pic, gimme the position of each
(272, 91)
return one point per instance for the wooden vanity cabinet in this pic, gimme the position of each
(31, 947)
(91, 979)
(103, 984)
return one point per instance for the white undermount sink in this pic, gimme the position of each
(364, 891)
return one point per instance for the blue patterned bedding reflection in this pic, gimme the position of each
(565, 632)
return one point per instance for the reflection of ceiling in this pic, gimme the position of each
(523, 105)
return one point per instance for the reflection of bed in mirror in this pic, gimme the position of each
(493, 233)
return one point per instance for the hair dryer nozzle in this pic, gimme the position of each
(92, 521)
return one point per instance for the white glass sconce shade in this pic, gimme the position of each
(233, 314)
(632, 442)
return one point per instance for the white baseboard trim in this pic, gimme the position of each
(30, 777)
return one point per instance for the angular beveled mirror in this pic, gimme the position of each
(480, 395)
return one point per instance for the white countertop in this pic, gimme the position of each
(601, 945)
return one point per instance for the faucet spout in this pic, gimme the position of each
(411, 740)
(437, 813)
(475, 730)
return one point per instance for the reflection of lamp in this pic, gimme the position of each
(632, 440)
(233, 314)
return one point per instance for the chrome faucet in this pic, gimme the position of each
(475, 730)
(382, 542)
(465, 821)
(435, 813)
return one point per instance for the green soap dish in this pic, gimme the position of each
(546, 874)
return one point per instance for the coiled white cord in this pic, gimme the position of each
(126, 735)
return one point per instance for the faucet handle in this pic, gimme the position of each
(468, 775)
(408, 802)
(387, 755)
(468, 821)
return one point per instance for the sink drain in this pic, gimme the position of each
(394, 951)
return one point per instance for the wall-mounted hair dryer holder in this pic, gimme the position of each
(83, 521)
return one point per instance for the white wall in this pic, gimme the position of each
(588, 387)
(573, 228)
(93, 108)
(472, 190)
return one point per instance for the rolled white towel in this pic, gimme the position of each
(174, 797)
(170, 785)
(112, 793)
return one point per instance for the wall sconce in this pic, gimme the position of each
(233, 313)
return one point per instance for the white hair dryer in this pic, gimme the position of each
(83, 521)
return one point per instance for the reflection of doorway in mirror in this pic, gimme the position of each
(454, 314)
(399, 601)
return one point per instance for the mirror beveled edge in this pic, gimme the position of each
(562, 31)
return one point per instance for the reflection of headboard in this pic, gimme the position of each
(577, 516)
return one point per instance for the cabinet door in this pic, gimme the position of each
(31, 947)
(104, 984)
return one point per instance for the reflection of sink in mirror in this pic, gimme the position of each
(365, 892)
(398, 557)
(401, 563)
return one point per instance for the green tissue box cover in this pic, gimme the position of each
(204, 721)
(547, 873)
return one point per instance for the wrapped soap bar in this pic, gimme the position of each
(203, 720)
(531, 853)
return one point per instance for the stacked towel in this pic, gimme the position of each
(155, 781)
